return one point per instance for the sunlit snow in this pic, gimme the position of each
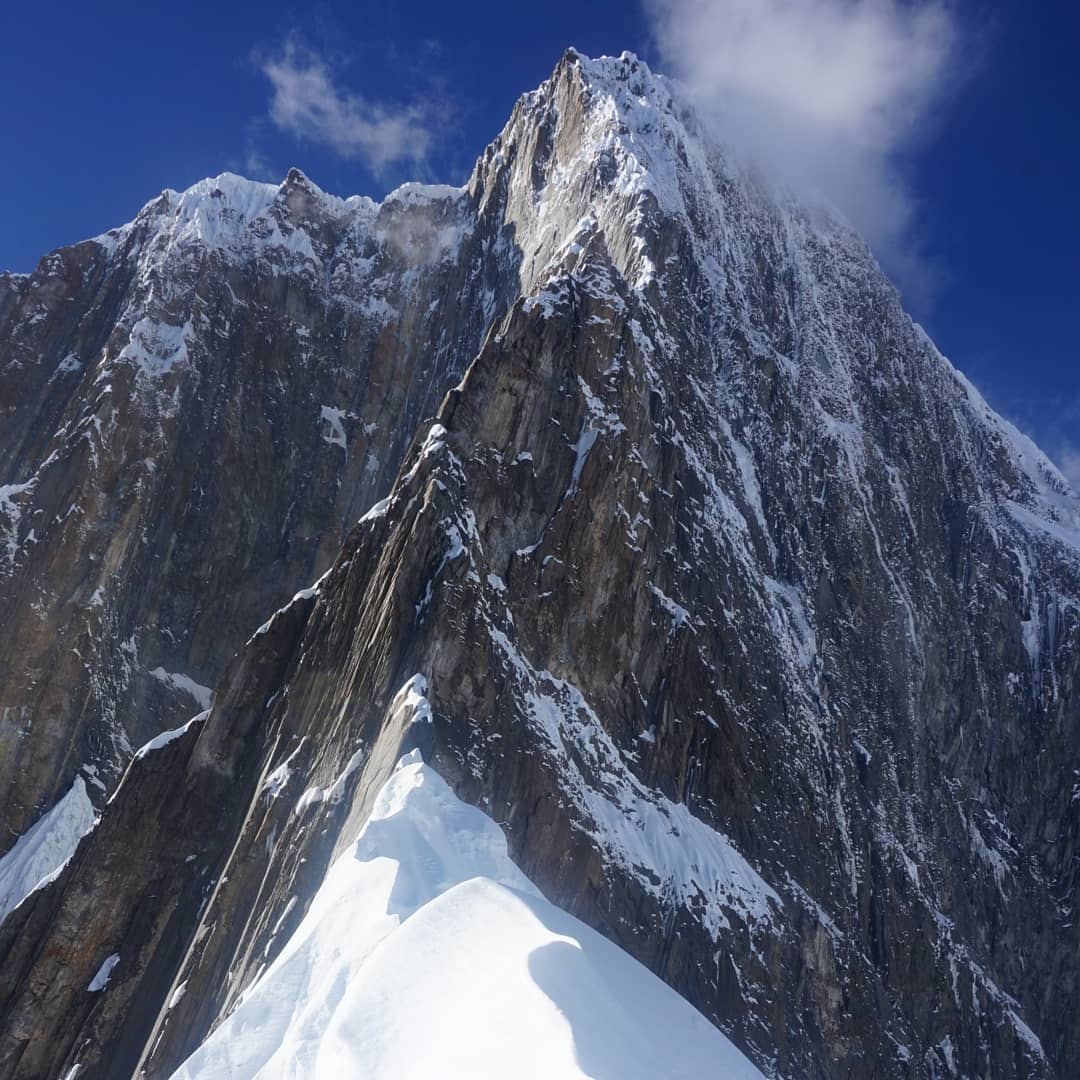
(427, 953)
(43, 850)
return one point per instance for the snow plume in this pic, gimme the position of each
(1069, 463)
(256, 164)
(826, 96)
(308, 103)
(1062, 437)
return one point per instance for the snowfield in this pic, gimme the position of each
(427, 953)
(44, 849)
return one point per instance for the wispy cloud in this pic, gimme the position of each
(256, 165)
(1051, 419)
(309, 103)
(1069, 463)
(1063, 442)
(828, 96)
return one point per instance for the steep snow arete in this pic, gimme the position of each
(427, 953)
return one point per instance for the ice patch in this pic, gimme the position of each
(315, 795)
(304, 594)
(177, 996)
(1066, 534)
(11, 515)
(69, 364)
(673, 854)
(412, 700)
(155, 348)
(334, 417)
(276, 782)
(679, 615)
(377, 511)
(586, 441)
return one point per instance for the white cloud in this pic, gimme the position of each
(256, 166)
(309, 104)
(826, 95)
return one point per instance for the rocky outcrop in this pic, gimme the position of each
(711, 581)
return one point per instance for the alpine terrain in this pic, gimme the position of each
(429, 627)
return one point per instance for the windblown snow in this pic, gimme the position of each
(427, 953)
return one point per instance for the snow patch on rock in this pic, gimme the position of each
(104, 973)
(159, 742)
(44, 849)
(177, 680)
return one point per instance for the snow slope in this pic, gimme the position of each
(427, 953)
(44, 849)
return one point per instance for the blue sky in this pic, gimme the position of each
(951, 133)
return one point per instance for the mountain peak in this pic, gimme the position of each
(636, 502)
(297, 178)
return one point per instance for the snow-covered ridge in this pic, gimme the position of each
(1053, 508)
(631, 113)
(645, 124)
(426, 952)
(230, 213)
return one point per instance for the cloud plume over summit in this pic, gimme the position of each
(828, 96)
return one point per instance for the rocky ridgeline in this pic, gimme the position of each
(688, 558)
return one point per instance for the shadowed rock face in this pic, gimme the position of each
(733, 602)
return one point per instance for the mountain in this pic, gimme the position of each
(638, 506)
(196, 407)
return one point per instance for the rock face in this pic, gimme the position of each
(709, 579)
(195, 406)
